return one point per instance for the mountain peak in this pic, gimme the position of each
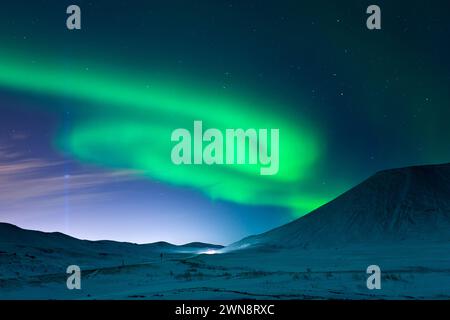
(404, 204)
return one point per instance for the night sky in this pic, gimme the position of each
(86, 115)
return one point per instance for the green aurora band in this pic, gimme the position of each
(124, 123)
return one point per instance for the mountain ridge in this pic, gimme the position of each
(10, 233)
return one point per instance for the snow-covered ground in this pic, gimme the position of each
(407, 273)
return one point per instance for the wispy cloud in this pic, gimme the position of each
(17, 135)
(25, 180)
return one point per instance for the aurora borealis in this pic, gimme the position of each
(104, 100)
(136, 124)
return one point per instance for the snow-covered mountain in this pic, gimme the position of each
(397, 219)
(410, 204)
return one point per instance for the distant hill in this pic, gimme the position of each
(11, 234)
(399, 205)
(201, 245)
